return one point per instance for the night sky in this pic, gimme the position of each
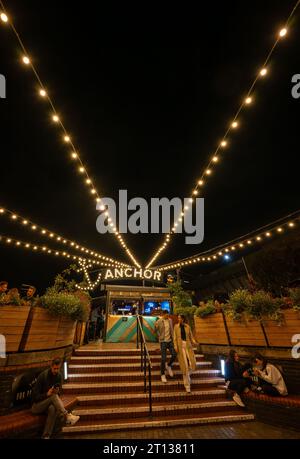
(146, 96)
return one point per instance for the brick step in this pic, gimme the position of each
(130, 399)
(94, 414)
(121, 367)
(83, 352)
(135, 376)
(137, 386)
(118, 359)
(166, 421)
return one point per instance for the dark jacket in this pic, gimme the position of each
(44, 382)
(234, 370)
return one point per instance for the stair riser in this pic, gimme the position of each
(129, 360)
(133, 415)
(116, 368)
(164, 424)
(122, 389)
(136, 402)
(130, 353)
(128, 378)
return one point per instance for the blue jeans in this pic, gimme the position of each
(163, 347)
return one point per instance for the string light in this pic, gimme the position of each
(245, 241)
(283, 32)
(66, 136)
(46, 233)
(235, 123)
(26, 60)
(3, 17)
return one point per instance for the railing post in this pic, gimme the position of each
(137, 331)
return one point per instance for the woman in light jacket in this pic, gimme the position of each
(183, 344)
(272, 382)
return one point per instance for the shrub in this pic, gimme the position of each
(260, 305)
(295, 297)
(206, 310)
(64, 304)
(238, 304)
(263, 306)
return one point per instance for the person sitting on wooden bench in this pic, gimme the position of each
(271, 379)
(45, 397)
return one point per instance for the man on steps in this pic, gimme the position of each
(164, 329)
(45, 397)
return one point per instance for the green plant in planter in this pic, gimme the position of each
(238, 304)
(262, 306)
(295, 297)
(206, 310)
(63, 304)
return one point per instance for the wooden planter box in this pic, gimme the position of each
(246, 332)
(41, 332)
(281, 335)
(65, 332)
(12, 324)
(45, 331)
(211, 329)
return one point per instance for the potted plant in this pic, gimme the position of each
(242, 321)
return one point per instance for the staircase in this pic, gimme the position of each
(109, 388)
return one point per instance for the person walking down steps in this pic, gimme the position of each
(164, 329)
(183, 343)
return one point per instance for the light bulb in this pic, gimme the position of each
(215, 159)
(43, 93)
(248, 100)
(235, 124)
(67, 138)
(283, 32)
(223, 143)
(55, 118)
(3, 17)
(26, 60)
(263, 72)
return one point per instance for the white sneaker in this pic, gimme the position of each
(238, 400)
(163, 378)
(72, 419)
(170, 371)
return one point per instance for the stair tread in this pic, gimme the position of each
(137, 373)
(141, 383)
(157, 407)
(228, 416)
(83, 398)
(124, 365)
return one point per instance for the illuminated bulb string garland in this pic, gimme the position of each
(258, 236)
(223, 143)
(26, 223)
(74, 155)
(10, 241)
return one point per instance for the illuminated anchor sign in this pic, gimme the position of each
(131, 273)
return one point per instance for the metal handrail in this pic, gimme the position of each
(145, 360)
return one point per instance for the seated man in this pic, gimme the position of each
(30, 294)
(45, 397)
(3, 289)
